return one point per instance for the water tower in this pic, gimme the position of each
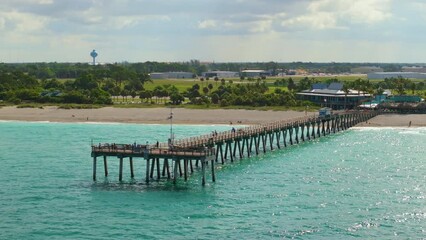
(94, 54)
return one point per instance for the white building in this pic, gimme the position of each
(254, 73)
(220, 74)
(383, 75)
(167, 75)
(366, 69)
(414, 69)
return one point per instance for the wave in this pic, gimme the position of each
(387, 128)
(24, 121)
(123, 123)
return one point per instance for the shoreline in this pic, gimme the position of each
(149, 115)
(395, 120)
(110, 115)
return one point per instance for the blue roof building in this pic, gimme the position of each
(333, 96)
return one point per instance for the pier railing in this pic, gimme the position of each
(141, 150)
(212, 138)
(209, 149)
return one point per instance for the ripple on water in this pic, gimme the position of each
(365, 183)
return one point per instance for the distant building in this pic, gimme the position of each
(167, 75)
(220, 74)
(156, 75)
(333, 96)
(404, 98)
(383, 75)
(414, 69)
(366, 69)
(254, 73)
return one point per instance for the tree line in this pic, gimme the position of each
(398, 85)
(75, 70)
(97, 84)
(93, 85)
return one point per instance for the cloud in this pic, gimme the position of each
(22, 22)
(235, 30)
(315, 20)
(207, 24)
(341, 14)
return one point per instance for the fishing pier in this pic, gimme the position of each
(179, 158)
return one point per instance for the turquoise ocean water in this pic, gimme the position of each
(362, 183)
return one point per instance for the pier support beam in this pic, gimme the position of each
(278, 136)
(297, 133)
(313, 130)
(256, 144)
(152, 168)
(264, 142)
(180, 168)
(308, 136)
(285, 137)
(203, 169)
(221, 154)
(319, 129)
(239, 149)
(120, 170)
(147, 171)
(94, 168)
(166, 168)
(105, 166)
(163, 173)
(175, 169)
(185, 169)
(249, 148)
(213, 174)
(158, 169)
(132, 174)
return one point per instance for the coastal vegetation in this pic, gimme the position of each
(129, 85)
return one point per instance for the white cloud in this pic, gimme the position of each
(47, 2)
(369, 11)
(24, 22)
(2, 23)
(318, 20)
(206, 24)
(338, 14)
(184, 29)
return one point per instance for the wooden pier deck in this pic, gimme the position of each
(223, 146)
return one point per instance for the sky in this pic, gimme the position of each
(213, 30)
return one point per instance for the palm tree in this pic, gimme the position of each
(346, 90)
(357, 85)
(157, 92)
(205, 90)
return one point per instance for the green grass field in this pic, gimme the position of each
(183, 84)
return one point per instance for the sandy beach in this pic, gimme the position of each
(396, 120)
(147, 115)
(185, 116)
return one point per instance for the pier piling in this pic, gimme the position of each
(94, 168)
